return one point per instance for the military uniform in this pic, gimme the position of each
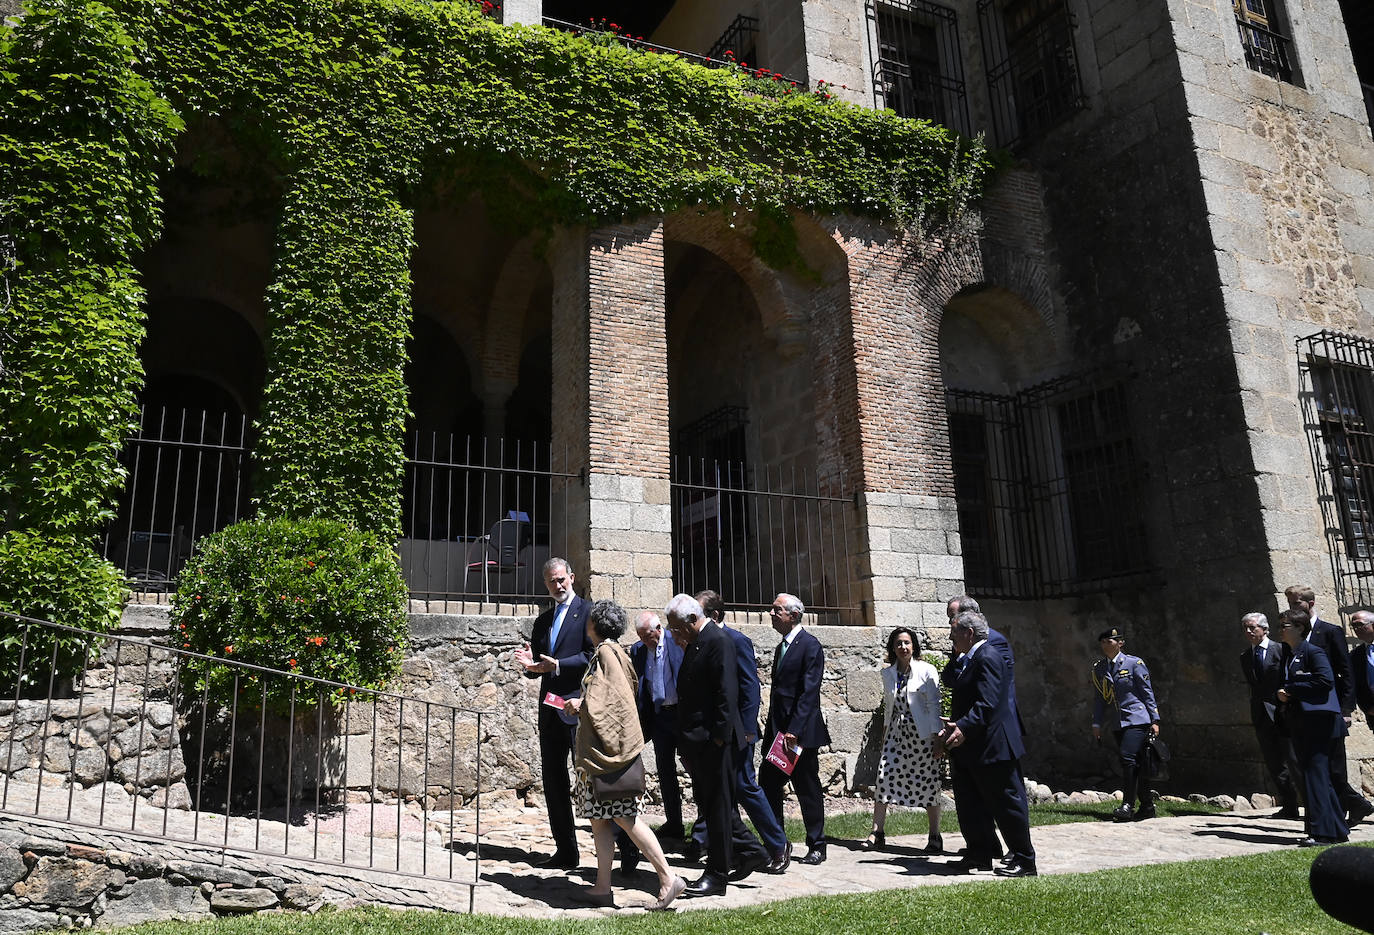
(1124, 701)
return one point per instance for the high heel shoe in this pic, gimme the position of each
(674, 890)
(600, 900)
(935, 844)
(876, 841)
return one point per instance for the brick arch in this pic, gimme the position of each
(504, 328)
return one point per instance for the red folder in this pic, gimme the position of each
(782, 756)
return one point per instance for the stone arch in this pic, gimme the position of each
(201, 354)
(518, 319)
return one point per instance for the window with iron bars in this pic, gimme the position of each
(918, 67)
(1032, 69)
(1336, 374)
(1048, 488)
(740, 39)
(1266, 48)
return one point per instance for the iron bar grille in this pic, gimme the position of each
(918, 66)
(480, 518)
(740, 39)
(1032, 69)
(1265, 50)
(187, 477)
(751, 540)
(1048, 489)
(706, 61)
(302, 769)
(1336, 391)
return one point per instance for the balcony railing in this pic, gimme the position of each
(1265, 50)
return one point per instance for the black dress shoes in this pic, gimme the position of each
(1359, 811)
(971, 864)
(1311, 841)
(1123, 813)
(668, 832)
(781, 860)
(1145, 814)
(559, 860)
(629, 861)
(1017, 868)
(705, 885)
(816, 855)
(745, 867)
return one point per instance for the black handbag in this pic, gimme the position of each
(625, 783)
(1156, 759)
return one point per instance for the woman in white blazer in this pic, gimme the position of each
(908, 774)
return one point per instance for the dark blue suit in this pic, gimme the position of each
(1330, 639)
(660, 726)
(1265, 678)
(1362, 667)
(748, 795)
(573, 650)
(1314, 717)
(988, 788)
(794, 707)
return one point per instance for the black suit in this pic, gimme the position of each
(1364, 693)
(1331, 640)
(709, 733)
(660, 726)
(794, 707)
(988, 787)
(572, 651)
(1265, 679)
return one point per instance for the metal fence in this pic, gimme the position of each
(187, 477)
(753, 537)
(1049, 490)
(294, 767)
(1336, 391)
(480, 517)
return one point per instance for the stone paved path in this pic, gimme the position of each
(518, 889)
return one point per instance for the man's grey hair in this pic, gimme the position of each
(553, 563)
(684, 607)
(963, 602)
(1256, 618)
(974, 622)
(791, 603)
(647, 618)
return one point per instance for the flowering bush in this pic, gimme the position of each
(312, 597)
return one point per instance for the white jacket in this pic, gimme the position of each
(922, 697)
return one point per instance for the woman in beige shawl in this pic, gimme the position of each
(608, 740)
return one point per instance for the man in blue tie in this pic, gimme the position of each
(1362, 663)
(557, 655)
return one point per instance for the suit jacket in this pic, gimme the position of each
(1360, 662)
(1000, 642)
(708, 690)
(982, 705)
(1264, 681)
(1123, 696)
(644, 692)
(573, 651)
(1308, 679)
(794, 702)
(921, 697)
(747, 668)
(1330, 639)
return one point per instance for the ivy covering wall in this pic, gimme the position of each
(359, 109)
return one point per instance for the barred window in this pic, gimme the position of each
(918, 68)
(1266, 48)
(1032, 69)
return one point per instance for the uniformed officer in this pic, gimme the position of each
(1124, 701)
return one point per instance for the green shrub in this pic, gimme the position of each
(313, 596)
(60, 580)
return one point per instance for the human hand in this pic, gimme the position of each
(1097, 733)
(1154, 729)
(572, 706)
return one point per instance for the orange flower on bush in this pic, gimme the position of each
(229, 649)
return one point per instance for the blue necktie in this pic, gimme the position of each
(656, 678)
(557, 625)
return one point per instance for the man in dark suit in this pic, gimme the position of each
(709, 730)
(657, 659)
(1330, 638)
(794, 711)
(956, 606)
(748, 795)
(1262, 666)
(557, 655)
(983, 738)
(1362, 663)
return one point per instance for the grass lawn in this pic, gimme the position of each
(854, 826)
(1232, 896)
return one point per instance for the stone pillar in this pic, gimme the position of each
(610, 409)
(522, 11)
(880, 346)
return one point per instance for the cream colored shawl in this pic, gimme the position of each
(608, 733)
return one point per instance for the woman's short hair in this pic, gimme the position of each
(609, 620)
(892, 643)
(1297, 617)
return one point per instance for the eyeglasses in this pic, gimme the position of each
(1285, 626)
(777, 611)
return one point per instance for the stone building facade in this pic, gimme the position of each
(1102, 407)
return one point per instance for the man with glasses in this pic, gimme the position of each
(1262, 666)
(794, 712)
